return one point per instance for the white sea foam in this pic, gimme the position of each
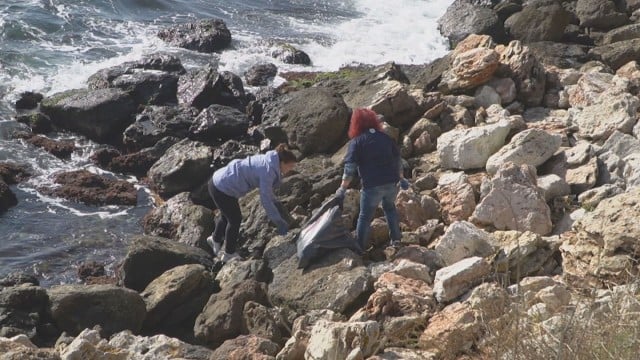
(404, 31)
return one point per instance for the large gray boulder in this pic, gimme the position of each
(290, 55)
(160, 62)
(471, 148)
(538, 23)
(219, 123)
(313, 120)
(462, 240)
(77, 307)
(157, 122)
(207, 86)
(612, 112)
(532, 147)
(100, 115)
(183, 167)
(627, 32)
(617, 54)
(207, 35)
(221, 318)
(561, 55)
(260, 74)
(175, 298)
(149, 87)
(601, 14)
(335, 281)
(464, 18)
(514, 202)
(149, 257)
(618, 161)
(390, 98)
(22, 309)
(236, 272)
(182, 220)
(456, 279)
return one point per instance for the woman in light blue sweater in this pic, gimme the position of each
(234, 181)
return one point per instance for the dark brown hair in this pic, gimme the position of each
(285, 155)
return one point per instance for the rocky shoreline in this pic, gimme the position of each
(522, 145)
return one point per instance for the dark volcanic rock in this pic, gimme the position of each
(617, 54)
(149, 88)
(538, 23)
(13, 173)
(219, 123)
(7, 197)
(560, 54)
(231, 150)
(601, 14)
(18, 278)
(206, 86)
(463, 18)
(255, 107)
(140, 162)
(92, 189)
(221, 319)
(205, 36)
(157, 122)
(101, 115)
(37, 121)
(28, 100)
(149, 256)
(314, 119)
(259, 75)
(183, 167)
(290, 55)
(164, 63)
(22, 309)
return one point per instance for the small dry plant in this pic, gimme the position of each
(592, 328)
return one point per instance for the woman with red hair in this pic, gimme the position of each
(375, 156)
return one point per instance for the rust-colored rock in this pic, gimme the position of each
(13, 173)
(92, 189)
(59, 148)
(470, 70)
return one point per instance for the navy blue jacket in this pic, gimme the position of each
(376, 157)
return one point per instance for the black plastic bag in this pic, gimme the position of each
(325, 230)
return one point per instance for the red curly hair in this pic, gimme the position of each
(362, 120)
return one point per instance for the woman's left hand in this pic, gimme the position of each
(404, 184)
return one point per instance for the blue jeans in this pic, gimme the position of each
(369, 201)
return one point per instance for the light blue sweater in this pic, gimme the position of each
(257, 171)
